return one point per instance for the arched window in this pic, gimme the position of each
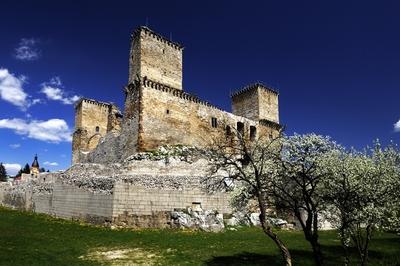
(97, 129)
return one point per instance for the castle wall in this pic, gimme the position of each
(169, 118)
(140, 198)
(143, 201)
(115, 147)
(71, 202)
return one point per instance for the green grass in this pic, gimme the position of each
(32, 239)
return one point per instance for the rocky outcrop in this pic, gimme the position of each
(205, 220)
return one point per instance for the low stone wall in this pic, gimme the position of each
(117, 194)
(137, 206)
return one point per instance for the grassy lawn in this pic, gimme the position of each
(32, 239)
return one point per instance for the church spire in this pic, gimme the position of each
(35, 162)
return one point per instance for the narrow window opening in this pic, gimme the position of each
(253, 132)
(214, 123)
(167, 111)
(228, 131)
(97, 129)
(240, 129)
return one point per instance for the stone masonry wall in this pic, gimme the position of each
(117, 194)
(246, 105)
(269, 105)
(169, 119)
(139, 200)
(156, 58)
(256, 102)
(93, 121)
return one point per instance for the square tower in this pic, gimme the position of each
(93, 120)
(155, 57)
(256, 102)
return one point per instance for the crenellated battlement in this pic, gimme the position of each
(155, 57)
(158, 112)
(270, 124)
(177, 93)
(91, 101)
(155, 35)
(253, 87)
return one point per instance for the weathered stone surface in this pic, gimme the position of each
(256, 102)
(140, 192)
(208, 220)
(157, 112)
(93, 120)
(155, 57)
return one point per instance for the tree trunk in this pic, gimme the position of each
(311, 235)
(316, 251)
(287, 258)
(284, 250)
(364, 258)
(345, 248)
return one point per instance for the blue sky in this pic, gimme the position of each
(335, 63)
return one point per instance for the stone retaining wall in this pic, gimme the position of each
(132, 200)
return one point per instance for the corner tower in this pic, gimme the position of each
(256, 102)
(93, 120)
(155, 57)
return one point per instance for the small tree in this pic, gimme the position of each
(237, 159)
(3, 173)
(296, 188)
(26, 169)
(363, 193)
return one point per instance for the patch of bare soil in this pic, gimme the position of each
(135, 256)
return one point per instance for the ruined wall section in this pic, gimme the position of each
(155, 57)
(172, 117)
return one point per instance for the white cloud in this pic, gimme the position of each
(15, 146)
(27, 50)
(11, 89)
(53, 130)
(53, 91)
(397, 126)
(50, 163)
(12, 168)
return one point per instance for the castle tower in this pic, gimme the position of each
(93, 120)
(35, 170)
(155, 57)
(256, 102)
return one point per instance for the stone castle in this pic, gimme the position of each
(117, 178)
(159, 112)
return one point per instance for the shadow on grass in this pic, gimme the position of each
(333, 255)
(245, 258)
